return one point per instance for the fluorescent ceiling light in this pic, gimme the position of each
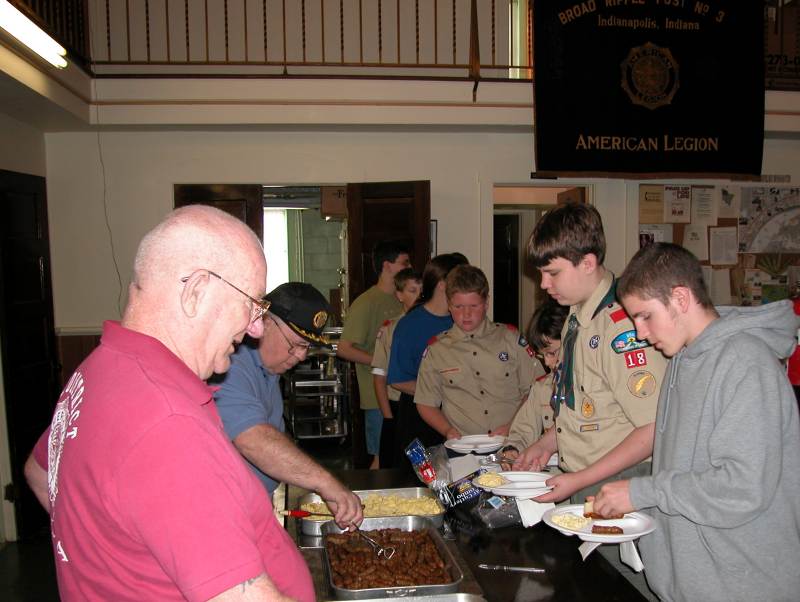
(27, 32)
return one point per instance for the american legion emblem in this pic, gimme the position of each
(650, 76)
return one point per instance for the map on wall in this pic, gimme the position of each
(769, 220)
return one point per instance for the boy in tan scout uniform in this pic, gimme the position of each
(407, 287)
(474, 376)
(607, 383)
(535, 415)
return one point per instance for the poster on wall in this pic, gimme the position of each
(648, 88)
(769, 220)
(782, 44)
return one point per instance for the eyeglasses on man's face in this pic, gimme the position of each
(296, 349)
(257, 307)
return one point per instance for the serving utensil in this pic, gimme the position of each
(386, 551)
(511, 569)
(303, 513)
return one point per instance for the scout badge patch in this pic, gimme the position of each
(642, 383)
(626, 341)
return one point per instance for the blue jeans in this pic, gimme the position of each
(373, 421)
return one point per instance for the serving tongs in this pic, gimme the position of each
(303, 513)
(386, 551)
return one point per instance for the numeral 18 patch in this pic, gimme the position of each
(636, 359)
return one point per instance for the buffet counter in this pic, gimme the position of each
(566, 576)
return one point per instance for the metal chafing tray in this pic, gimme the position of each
(314, 527)
(405, 523)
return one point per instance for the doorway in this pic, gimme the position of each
(516, 290)
(506, 268)
(27, 344)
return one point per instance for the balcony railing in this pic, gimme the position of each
(396, 37)
(414, 38)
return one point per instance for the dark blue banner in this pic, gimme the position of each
(649, 88)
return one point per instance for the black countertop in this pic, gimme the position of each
(567, 576)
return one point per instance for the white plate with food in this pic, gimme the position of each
(519, 484)
(481, 444)
(569, 520)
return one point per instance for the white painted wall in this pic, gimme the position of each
(22, 149)
(141, 168)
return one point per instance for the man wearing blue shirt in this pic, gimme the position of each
(250, 403)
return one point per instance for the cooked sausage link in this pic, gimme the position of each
(354, 564)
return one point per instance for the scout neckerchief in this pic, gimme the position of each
(564, 374)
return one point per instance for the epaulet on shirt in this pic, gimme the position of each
(386, 322)
(542, 377)
(618, 316)
(432, 340)
(511, 327)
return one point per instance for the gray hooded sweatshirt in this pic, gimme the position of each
(725, 490)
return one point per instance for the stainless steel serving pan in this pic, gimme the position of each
(314, 527)
(406, 523)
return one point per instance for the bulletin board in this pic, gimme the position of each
(747, 238)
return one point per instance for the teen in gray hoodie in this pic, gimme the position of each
(725, 490)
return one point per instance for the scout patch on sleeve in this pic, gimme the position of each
(635, 359)
(642, 383)
(626, 341)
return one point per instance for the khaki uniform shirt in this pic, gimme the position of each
(477, 378)
(616, 382)
(534, 416)
(380, 356)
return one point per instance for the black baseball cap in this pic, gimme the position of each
(303, 308)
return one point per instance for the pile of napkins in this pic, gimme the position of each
(531, 512)
(628, 553)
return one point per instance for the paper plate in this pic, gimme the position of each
(634, 525)
(520, 484)
(482, 444)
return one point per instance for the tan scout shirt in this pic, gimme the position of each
(534, 416)
(478, 379)
(616, 383)
(380, 355)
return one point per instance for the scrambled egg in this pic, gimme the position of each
(491, 479)
(570, 521)
(385, 505)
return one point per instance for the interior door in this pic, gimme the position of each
(385, 211)
(242, 201)
(27, 339)
(382, 211)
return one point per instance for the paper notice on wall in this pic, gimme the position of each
(723, 246)
(721, 287)
(751, 290)
(793, 277)
(651, 204)
(650, 233)
(695, 239)
(704, 206)
(728, 201)
(677, 204)
(707, 273)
